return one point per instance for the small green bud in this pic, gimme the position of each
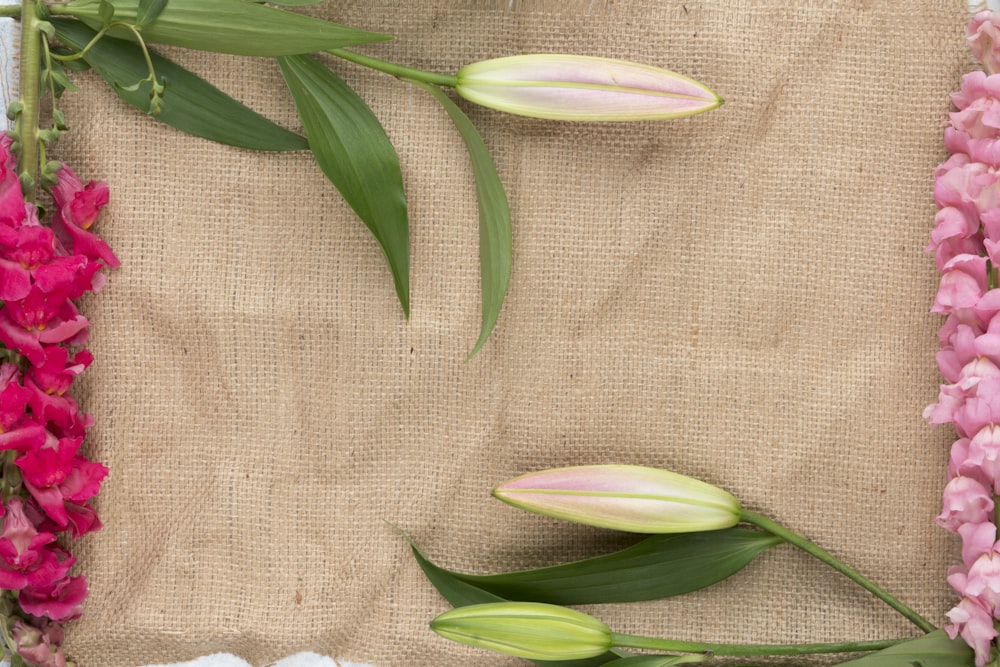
(526, 629)
(14, 109)
(27, 182)
(48, 137)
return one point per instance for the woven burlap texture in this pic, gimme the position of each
(741, 296)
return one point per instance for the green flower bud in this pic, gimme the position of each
(526, 629)
(635, 499)
(568, 87)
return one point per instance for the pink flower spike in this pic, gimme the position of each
(567, 87)
(983, 37)
(622, 497)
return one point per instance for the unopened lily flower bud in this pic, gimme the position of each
(526, 629)
(567, 87)
(634, 499)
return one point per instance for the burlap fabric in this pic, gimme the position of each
(740, 296)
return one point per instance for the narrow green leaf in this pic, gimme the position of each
(148, 11)
(459, 594)
(656, 660)
(659, 566)
(495, 236)
(289, 3)
(932, 650)
(227, 26)
(353, 150)
(193, 105)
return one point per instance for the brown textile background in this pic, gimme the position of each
(740, 296)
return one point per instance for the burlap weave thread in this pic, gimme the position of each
(739, 296)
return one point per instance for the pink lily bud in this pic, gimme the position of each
(566, 87)
(622, 497)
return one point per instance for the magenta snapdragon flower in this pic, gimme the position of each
(44, 269)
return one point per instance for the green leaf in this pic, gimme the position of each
(459, 594)
(932, 650)
(495, 236)
(148, 12)
(656, 660)
(194, 105)
(60, 80)
(106, 11)
(227, 26)
(659, 566)
(289, 3)
(354, 152)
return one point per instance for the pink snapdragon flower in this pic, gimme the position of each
(57, 473)
(983, 36)
(965, 501)
(40, 642)
(27, 557)
(973, 621)
(78, 207)
(966, 245)
(43, 271)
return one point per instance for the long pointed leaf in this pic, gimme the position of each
(192, 104)
(660, 566)
(495, 236)
(932, 650)
(289, 3)
(227, 26)
(354, 152)
(148, 11)
(459, 594)
(656, 660)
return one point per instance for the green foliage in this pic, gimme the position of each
(353, 150)
(659, 566)
(149, 11)
(656, 660)
(194, 105)
(459, 594)
(289, 3)
(932, 650)
(495, 235)
(225, 26)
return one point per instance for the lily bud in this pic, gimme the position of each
(526, 629)
(566, 87)
(635, 499)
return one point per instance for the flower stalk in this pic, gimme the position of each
(825, 556)
(398, 71)
(539, 631)
(29, 84)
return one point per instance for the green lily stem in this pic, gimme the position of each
(813, 550)
(398, 71)
(29, 84)
(10, 11)
(637, 641)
